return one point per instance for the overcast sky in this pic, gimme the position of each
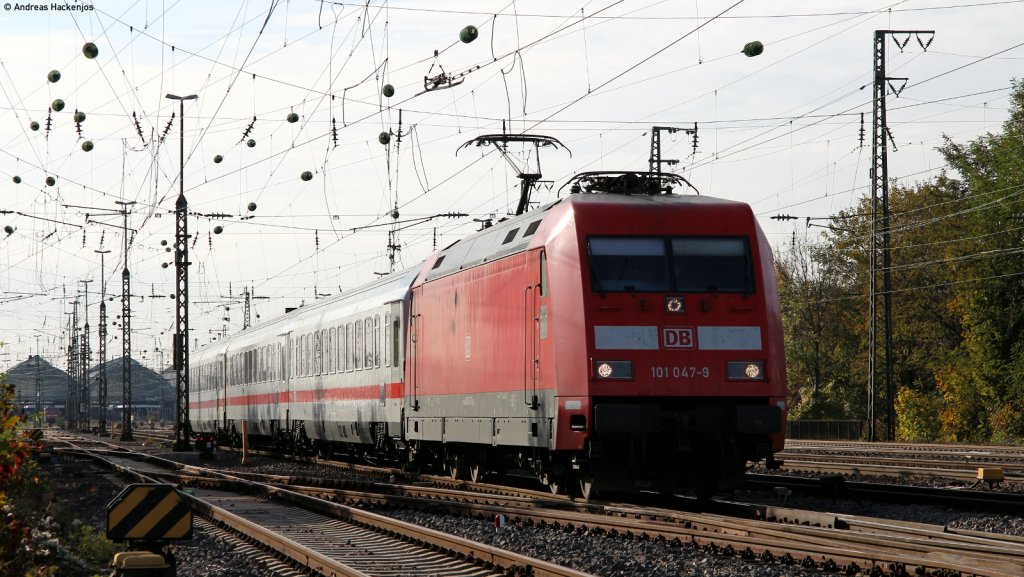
(780, 131)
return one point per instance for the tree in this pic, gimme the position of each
(957, 250)
(986, 368)
(814, 287)
(13, 454)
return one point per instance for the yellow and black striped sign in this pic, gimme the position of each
(149, 512)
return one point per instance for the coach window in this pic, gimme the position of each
(302, 356)
(318, 353)
(331, 344)
(387, 339)
(329, 351)
(309, 355)
(324, 343)
(359, 345)
(339, 349)
(349, 347)
(377, 343)
(369, 343)
(396, 341)
(342, 350)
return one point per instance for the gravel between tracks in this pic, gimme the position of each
(209, 555)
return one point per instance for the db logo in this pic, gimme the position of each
(678, 337)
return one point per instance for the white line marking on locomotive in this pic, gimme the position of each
(729, 338)
(632, 338)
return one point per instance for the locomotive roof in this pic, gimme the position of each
(514, 234)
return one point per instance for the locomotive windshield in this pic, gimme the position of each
(671, 264)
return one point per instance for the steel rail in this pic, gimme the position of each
(874, 544)
(457, 548)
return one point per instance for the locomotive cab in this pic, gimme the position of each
(683, 363)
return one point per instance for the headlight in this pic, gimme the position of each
(675, 304)
(612, 370)
(746, 371)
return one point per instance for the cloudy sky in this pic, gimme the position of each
(780, 131)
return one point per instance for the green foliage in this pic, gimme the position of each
(93, 546)
(957, 250)
(817, 325)
(15, 534)
(13, 449)
(917, 416)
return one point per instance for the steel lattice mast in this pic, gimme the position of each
(182, 426)
(880, 189)
(102, 383)
(83, 370)
(126, 336)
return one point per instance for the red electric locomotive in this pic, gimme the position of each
(622, 338)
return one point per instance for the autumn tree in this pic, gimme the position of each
(957, 250)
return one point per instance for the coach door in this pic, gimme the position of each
(413, 401)
(221, 388)
(287, 355)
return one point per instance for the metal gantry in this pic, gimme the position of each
(182, 426)
(880, 189)
(656, 161)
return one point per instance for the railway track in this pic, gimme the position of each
(324, 537)
(901, 459)
(814, 541)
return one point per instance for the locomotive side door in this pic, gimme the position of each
(533, 313)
